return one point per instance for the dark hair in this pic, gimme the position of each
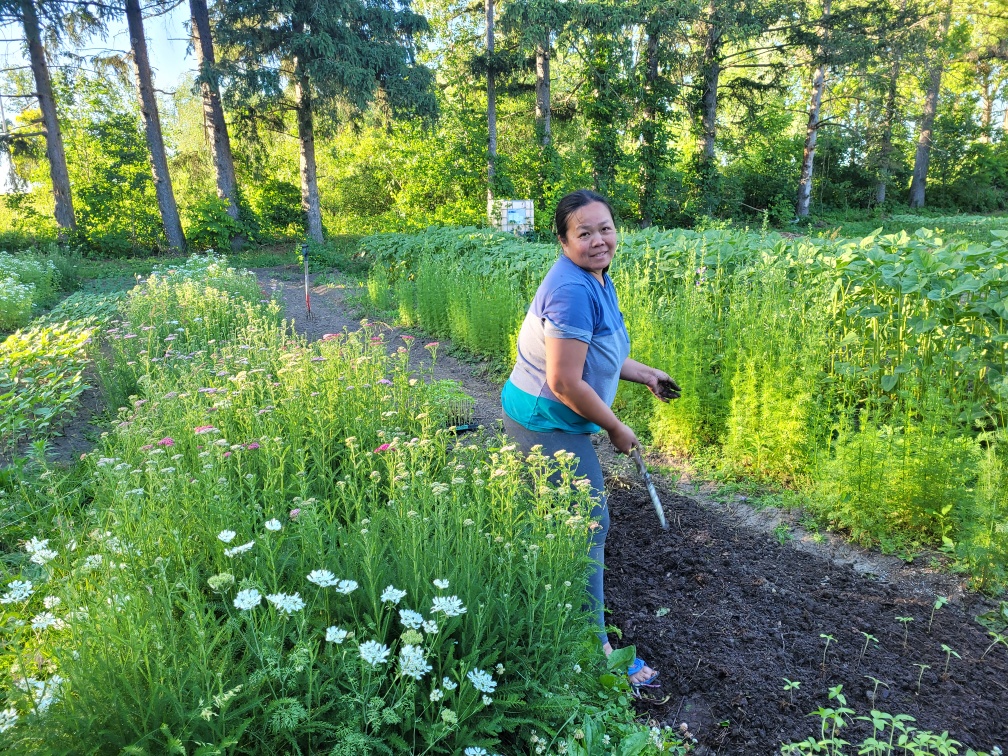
(570, 204)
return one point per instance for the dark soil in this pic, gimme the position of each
(740, 612)
(744, 612)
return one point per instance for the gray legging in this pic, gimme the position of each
(588, 465)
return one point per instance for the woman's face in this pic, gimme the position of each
(591, 238)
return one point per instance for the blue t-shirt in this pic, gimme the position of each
(569, 304)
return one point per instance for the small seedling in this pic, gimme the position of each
(790, 686)
(662, 611)
(938, 604)
(998, 638)
(783, 533)
(829, 639)
(875, 689)
(949, 653)
(906, 628)
(868, 638)
(921, 675)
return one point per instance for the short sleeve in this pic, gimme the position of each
(568, 313)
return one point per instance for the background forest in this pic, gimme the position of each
(348, 117)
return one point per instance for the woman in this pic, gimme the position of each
(573, 349)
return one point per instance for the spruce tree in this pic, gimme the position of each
(317, 58)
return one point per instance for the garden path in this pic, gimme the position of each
(727, 611)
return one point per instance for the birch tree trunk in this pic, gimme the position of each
(922, 158)
(55, 153)
(152, 129)
(491, 105)
(213, 111)
(542, 94)
(812, 130)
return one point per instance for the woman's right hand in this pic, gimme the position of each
(623, 438)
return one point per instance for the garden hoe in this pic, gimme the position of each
(642, 469)
(307, 297)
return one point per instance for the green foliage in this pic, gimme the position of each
(296, 466)
(277, 207)
(866, 372)
(209, 227)
(891, 733)
(41, 377)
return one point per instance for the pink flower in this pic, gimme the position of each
(432, 345)
(383, 447)
(227, 454)
(201, 429)
(408, 339)
(294, 513)
(146, 447)
(330, 336)
(385, 381)
(166, 441)
(252, 446)
(375, 339)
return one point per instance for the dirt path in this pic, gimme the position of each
(727, 612)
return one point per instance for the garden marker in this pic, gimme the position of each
(635, 455)
(307, 298)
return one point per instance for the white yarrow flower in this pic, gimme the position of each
(409, 618)
(487, 700)
(346, 586)
(481, 680)
(448, 684)
(40, 551)
(430, 627)
(335, 634)
(51, 602)
(322, 578)
(374, 653)
(436, 695)
(450, 605)
(235, 550)
(412, 662)
(391, 594)
(475, 751)
(247, 599)
(288, 603)
(45, 620)
(273, 525)
(226, 536)
(442, 584)
(17, 590)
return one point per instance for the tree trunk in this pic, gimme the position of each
(649, 133)
(987, 93)
(812, 130)
(152, 129)
(213, 112)
(923, 156)
(711, 73)
(491, 105)
(542, 93)
(309, 173)
(886, 148)
(55, 152)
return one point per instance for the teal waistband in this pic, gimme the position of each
(538, 413)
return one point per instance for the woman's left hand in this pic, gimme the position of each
(661, 385)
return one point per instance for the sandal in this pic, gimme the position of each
(637, 666)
